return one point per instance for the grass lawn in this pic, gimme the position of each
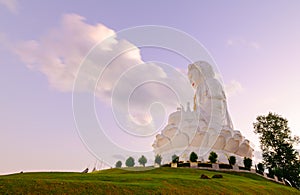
(154, 181)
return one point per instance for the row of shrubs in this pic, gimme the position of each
(260, 169)
(188, 164)
(207, 165)
(213, 157)
(130, 162)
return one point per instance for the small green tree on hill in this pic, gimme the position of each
(260, 168)
(158, 159)
(232, 160)
(143, 160)
(247, 163)
(129, 162)
(175, 158)
(118, 164)
(213, 157)
(193, 157)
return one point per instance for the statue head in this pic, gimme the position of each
(194, 75)
(199, 71)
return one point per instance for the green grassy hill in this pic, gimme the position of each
(155, 181)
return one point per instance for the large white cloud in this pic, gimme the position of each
(59, 53)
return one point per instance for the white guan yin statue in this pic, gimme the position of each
(207, 127)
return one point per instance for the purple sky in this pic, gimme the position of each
(255, 45)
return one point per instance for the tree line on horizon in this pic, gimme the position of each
(130, 162)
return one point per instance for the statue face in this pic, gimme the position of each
(194, 77)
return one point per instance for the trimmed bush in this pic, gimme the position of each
(143, 160)
(175, 158)
(187, 164)
(209, 165)
(129, 162)
(118, 164)
(158, 159)
(247, 163)
(260, 168)
(213, 157)
(271, 173)
(225, 166)
(193, 157)
(232, 160)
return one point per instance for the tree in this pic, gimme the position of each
(143, 160)
(158, 159)
(232, 160)
(175, 158)
(129, 162)
(260, 168)
(193, 157)
(213, 157)
(118, 164)
(248, 163)
(277, 146)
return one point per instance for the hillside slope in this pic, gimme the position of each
(155, 181)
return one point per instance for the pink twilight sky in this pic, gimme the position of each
(255, 44)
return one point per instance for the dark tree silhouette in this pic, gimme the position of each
(129, 162)
(193, 157)
(158, 159)
(143, 160)
(175, 158)
(213, 157)
(277, 147)
(232, 160)
(118, 164)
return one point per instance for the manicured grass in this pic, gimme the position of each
(132, 181)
